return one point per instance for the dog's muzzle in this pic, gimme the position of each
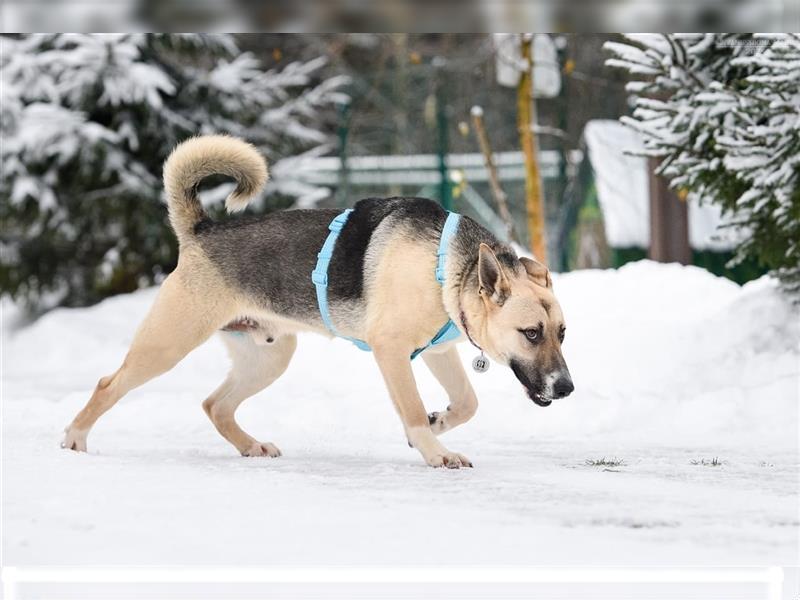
(534, 390)
(540, 400)
(563, 387)
(542, 391)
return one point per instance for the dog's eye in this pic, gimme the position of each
(561, 333)
(531, 334)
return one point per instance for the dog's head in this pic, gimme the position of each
(521, 323)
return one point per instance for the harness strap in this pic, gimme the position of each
(319, 277)
(450, 226)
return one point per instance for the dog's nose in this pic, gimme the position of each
(563, 387)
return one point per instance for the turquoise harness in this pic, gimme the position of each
(319, 276)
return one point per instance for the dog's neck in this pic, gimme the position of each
(460, 293)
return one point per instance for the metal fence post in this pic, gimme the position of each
(342, 131)
(445, 196)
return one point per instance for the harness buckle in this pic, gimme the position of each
(337, 224)
(319, 278)
(440, 274)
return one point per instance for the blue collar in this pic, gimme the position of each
(319, 276)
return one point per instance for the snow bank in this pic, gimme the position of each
(664, 350)
(675, 352)
(670, 363)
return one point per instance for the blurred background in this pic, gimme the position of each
(301, 16)
(591, 150)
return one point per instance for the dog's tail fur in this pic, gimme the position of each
(200, 157)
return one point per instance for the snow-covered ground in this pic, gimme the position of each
(673, 368)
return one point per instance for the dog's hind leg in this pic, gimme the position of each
(447, 368)
(254, 368)
(179, 321)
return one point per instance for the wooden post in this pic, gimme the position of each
(500, 198)
(533, 182)
(669, 221)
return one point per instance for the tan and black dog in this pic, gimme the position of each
(253, 276)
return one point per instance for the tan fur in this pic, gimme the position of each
(400, 285)
(254, 368)
(502, 287)
(496, 326)
(396, 328)
(396, 370)
(447, 368)
(183, 316)
(199, 157)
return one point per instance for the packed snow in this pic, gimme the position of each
(678, 447)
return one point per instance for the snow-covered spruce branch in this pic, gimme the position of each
(87, 121)
(721, 111)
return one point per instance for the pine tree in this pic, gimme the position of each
(722, 111)
(87, 121)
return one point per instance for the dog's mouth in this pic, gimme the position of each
(534, 394)
(539, 399)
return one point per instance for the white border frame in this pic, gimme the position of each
(771, 577)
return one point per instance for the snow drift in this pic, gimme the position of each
(672, 366)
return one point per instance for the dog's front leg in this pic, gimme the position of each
(395, 367)
(447, 368)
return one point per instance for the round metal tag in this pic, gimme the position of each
(480, 364)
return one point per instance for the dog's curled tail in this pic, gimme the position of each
(200, 157)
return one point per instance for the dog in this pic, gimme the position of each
(250, 278)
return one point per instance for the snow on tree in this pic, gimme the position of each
(722, 111)
(87, 121)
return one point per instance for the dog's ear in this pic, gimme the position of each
(491, 276)
(537, 272)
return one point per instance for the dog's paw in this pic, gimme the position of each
(437, 422)
(451, 460)
(74, 439)
(265, 449)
